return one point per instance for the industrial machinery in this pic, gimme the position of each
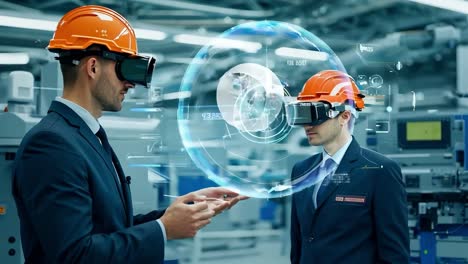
(14, 125)
(432, 152)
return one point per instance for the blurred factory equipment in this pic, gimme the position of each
(431, 150)
(14, 125)
(422, 126)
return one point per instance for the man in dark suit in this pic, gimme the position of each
(73, 200)
(355, 211)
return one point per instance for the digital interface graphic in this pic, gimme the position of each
(233, 124)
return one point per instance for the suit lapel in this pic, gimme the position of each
(306, 196)
(328, 191)
(94, 142)
(125, 188)
(304, 178)
(74, 120)
(347, 164)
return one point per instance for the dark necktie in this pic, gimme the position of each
(327, 170)
(101, 134)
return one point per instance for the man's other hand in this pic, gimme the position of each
(186, 215)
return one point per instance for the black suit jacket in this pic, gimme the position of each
(69, 202)
(363, 218)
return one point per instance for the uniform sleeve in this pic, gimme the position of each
(391, 216)
(51, 181)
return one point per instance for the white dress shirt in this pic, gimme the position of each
(337, 157)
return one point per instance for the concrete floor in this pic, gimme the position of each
(271, 252)
(263, 250)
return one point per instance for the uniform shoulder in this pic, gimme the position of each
(376, 157)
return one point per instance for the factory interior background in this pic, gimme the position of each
(410, 59)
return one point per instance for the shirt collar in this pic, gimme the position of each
(89, 119)
(338, 156)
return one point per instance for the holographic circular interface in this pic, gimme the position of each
(232, 113)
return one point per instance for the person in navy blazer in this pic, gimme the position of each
(360, 214)
(73, 199)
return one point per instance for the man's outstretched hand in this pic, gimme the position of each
(191, 212)
(219, 198)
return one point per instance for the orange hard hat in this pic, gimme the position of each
(332, 86)
(87, 25)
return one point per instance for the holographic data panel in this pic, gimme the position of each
(233, 124)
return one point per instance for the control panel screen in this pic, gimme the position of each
(424, 131)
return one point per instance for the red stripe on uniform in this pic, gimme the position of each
(355, 199)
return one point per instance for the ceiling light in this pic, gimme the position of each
(150, 34)
(302, 54)
(248, 46)
(49, 25)
(29, 23)
(460, 6)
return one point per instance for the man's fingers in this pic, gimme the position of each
(238, 198)
(242, 197)
(203, 223)
(220, 207)
(191, 197)
(233, 202)
(200, 206)
(218, 192)
(228, 192)
(203, 215)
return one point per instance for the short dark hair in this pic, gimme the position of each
(69, 73)
(70, 70)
